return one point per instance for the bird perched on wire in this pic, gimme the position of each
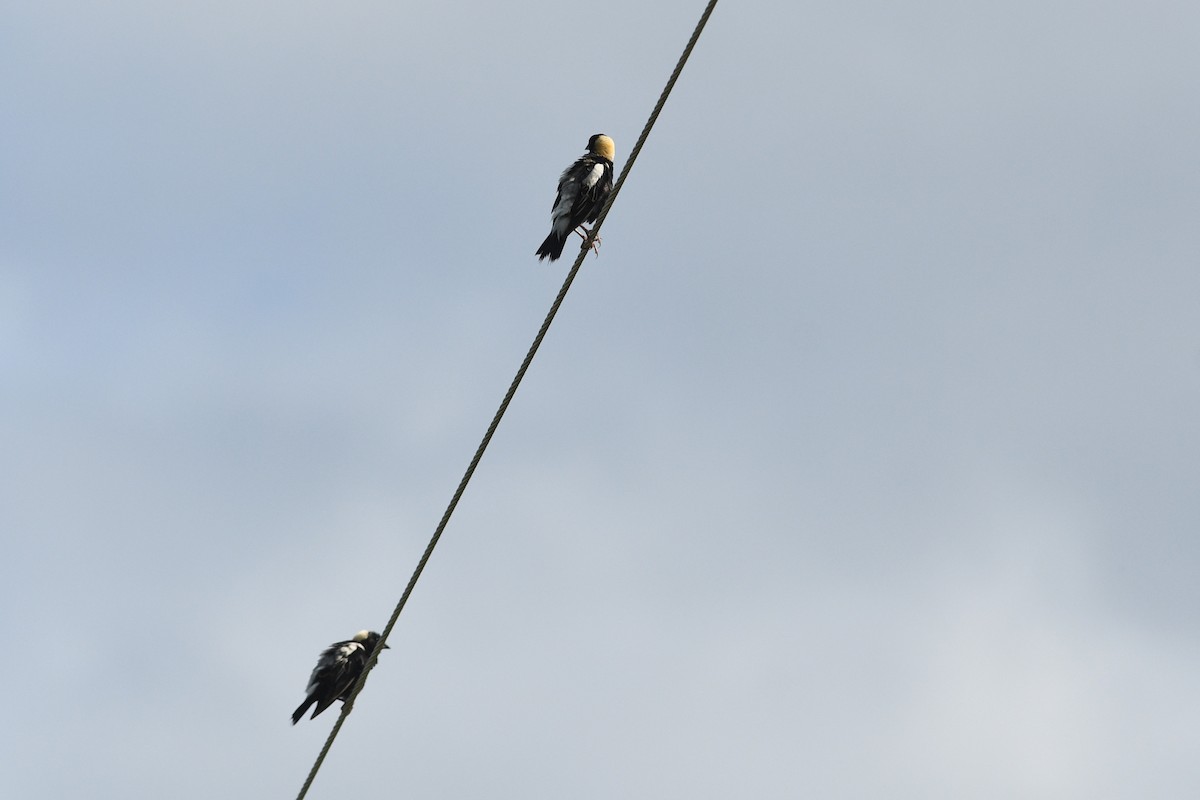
(582, 190)
(336, 671)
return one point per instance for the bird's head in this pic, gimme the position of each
(601, 145)
(369, 638)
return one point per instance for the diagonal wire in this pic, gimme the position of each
(348, 705)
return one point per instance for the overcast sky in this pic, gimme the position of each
(861, 463)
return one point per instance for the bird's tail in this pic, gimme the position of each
(299, 712)
(552, 247)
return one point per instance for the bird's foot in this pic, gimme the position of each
(584, 233)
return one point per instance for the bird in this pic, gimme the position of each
(582, 190)
(336, 672)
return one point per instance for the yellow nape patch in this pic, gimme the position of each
(603, 146)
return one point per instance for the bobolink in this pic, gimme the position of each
(336, 671)
(582, 190)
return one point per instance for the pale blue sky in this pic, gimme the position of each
(862, 463)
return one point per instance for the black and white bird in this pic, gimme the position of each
(582, 190)
(337, 670)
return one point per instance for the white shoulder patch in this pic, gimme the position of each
(594, 176)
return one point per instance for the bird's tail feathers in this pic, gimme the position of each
(552, 247)
(324, 704)
(299, 712)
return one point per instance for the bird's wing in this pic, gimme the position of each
(568, 188)
(332, 665)
(578, 190)
(352, 667)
